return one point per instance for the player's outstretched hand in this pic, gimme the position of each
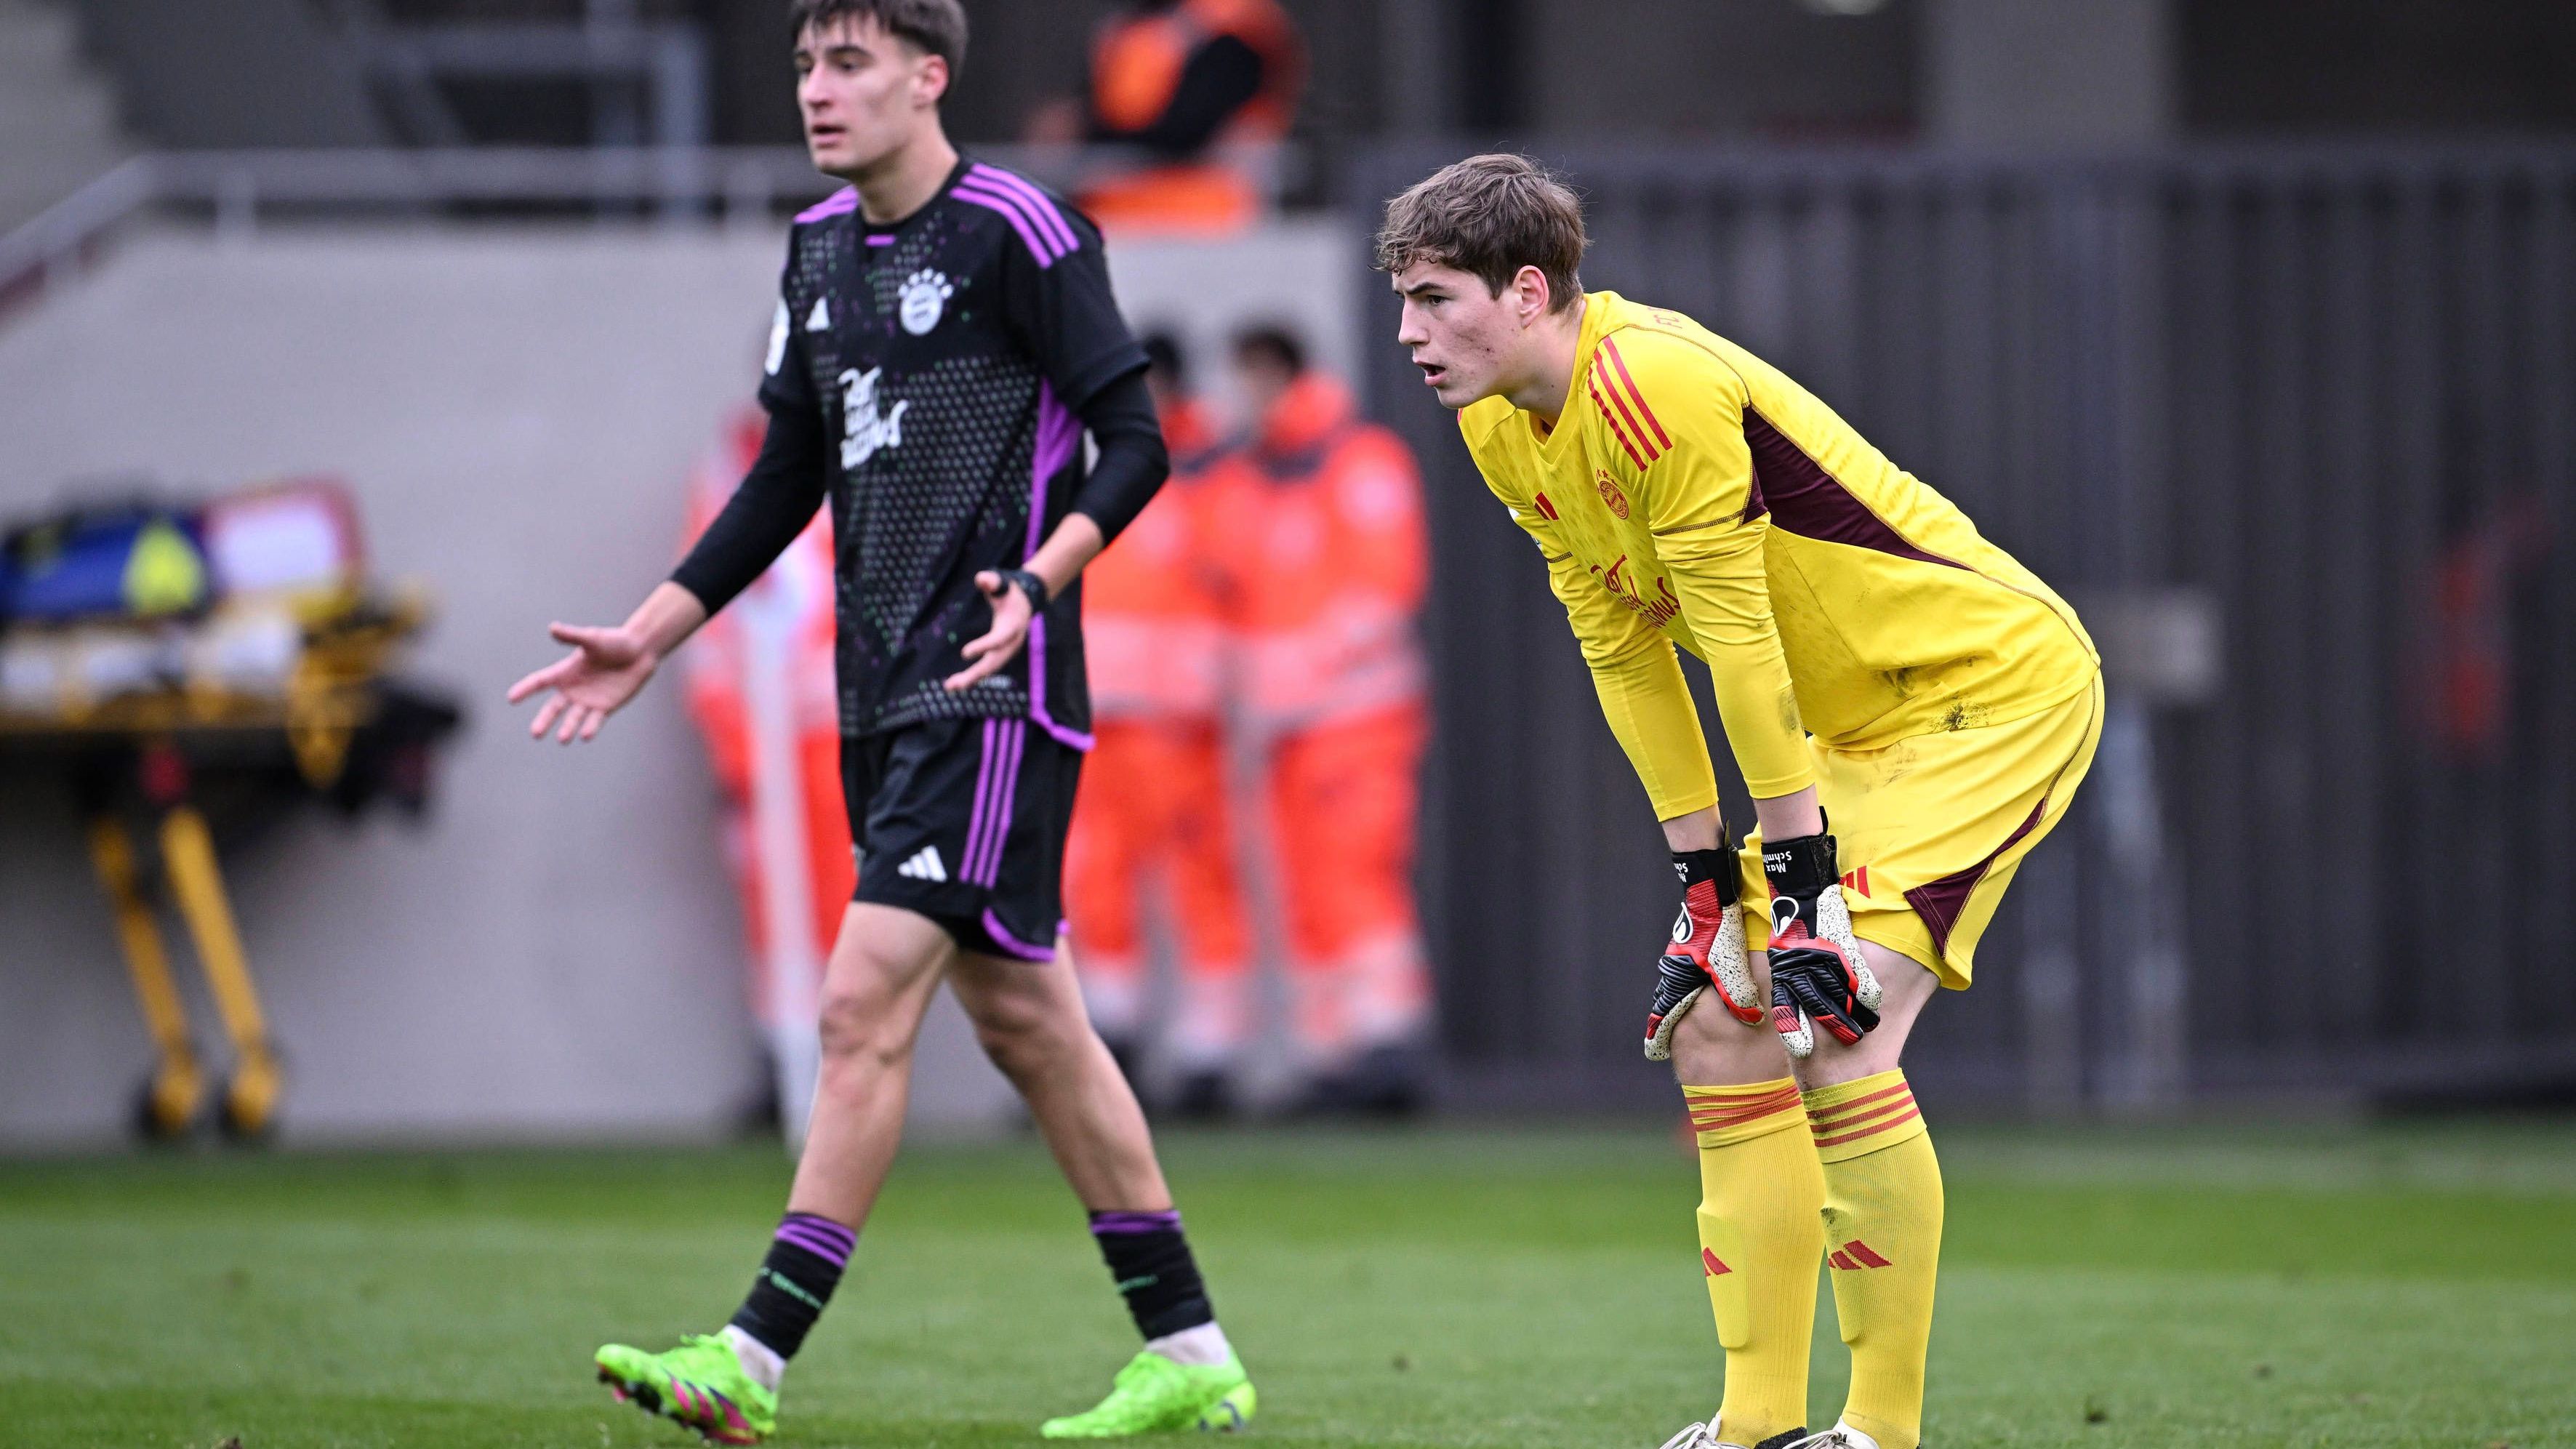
(1707, 950)
(604, 670)
(1818, 974)
(1014, 594)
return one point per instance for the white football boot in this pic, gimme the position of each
(1705, 1436)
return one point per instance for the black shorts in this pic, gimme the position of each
(963, 821)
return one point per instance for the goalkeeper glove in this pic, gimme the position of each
(1817, 972)
(1707, 950)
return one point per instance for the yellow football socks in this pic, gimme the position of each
(1883, 1241)
(1760, 1233)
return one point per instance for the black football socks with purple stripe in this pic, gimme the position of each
(795, 1281)
(1150, 1259)
(1147, 1253)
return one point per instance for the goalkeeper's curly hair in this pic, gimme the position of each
(1490, 215)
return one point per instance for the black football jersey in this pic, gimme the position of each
(947, 355)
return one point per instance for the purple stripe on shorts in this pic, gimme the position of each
(989, 786)
(1135, 1222)
(1040, 205)
(1037, 246)
(1003, 938)
(978, 819)
(986, 869)
(844, 200)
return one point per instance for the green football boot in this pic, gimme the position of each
(1154, 1395)
(700, 1385)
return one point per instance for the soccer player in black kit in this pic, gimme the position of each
(945, 335)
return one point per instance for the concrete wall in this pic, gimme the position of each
(556, 953)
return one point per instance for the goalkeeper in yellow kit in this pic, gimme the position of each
(1882, 672)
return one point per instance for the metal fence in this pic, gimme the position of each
(2325, 398)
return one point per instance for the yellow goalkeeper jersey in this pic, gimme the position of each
(1692, 495)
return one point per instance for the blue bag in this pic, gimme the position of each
(125, 563)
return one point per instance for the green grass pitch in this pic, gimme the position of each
(2191, 1287)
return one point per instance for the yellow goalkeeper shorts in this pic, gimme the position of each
(1929, 830)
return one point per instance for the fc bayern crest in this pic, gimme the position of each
(924, 293)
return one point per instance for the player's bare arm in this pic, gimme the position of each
(608, 665)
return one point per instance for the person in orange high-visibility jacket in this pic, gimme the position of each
(1154, 802)
(1327, 568)
(1176, 77)
(759, 684)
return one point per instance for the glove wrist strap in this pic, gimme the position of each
(1800, 866)
(1717, 866)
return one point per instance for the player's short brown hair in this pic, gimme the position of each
(1491, 215)
(934, 27)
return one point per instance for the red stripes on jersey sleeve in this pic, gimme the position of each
(1623, 407)
(1624, 388)
(1608, 415)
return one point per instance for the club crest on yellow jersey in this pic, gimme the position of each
(1609, 489)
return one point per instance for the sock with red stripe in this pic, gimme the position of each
(1760, 1233)
(1883, 1242)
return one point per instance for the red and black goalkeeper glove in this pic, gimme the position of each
(1817, 972)
(1707, 950)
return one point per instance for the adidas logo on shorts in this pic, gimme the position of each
(924, 865)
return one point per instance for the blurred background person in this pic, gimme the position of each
(760, 690)
(1327, 566)
(1176, 80)
(1154, 815)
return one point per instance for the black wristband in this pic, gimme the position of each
(1718, 865)
(1801, 866)
(1027, 583)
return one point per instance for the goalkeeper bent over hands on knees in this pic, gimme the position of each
(1878, 665)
